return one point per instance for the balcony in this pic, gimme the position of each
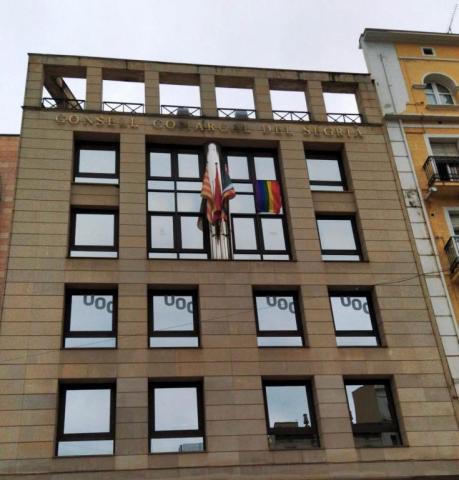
(123, 107)
(63, 103)
(237, 113)
(442, 172)
(291, 116)
(452, 252)
(180, 111)
(344, 117)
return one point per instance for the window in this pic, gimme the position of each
(177, 227)
(173, 318)
(94, 233)
(338, 238)
(372, 412)
(258, 224)
(86, 422)
(176, 417)
(453, 221)
(437, 94)
(290, 414)
(354, 319)
(278, 319)
(96, 163)
(90, 318)
(325, 171)
(428, 51)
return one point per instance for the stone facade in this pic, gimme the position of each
(229, 362)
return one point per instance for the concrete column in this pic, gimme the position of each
(94, 88)
(34, 84)
(208, 98)
(262, 99)
(315, 101)
(152, 100)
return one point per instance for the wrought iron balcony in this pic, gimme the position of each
(181, 110)
(344, 117)
(237, 113)
(291, 116)
(63, 103)
(123, 107)
(441, 169)
(452, 252)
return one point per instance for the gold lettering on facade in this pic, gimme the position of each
(73, 119)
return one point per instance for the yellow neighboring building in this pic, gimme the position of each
(417, 79)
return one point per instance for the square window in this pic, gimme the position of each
(338, 238)
(173, 318)
(325, 172)
(428, 51)
(94, 233)
(278, 319)
(372, 411)
(176, 417)
(90, 318)
(354, 319)
(83, 431)
(96, 162)
(290, 414)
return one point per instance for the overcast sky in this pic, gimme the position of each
(298, 34)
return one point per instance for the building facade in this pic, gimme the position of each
(416, 75)
(139, 341)
(9, 154)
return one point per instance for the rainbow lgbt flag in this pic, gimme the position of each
(268, 196)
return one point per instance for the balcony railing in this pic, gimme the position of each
(123, 107)
(181, 110)
(452, 252)
(237, 113)
(291, 116)
(344, 117)
(63, 103)
(441, 169)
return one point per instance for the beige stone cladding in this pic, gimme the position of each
(229, 362)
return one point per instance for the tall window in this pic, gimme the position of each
(94, 233)
(173, 318)
(290, 414)
(86, 422)
(176, 417)
(278, 319)
(90, 318)
(325, 171)
(176, 227)
(437, 94)
(354, 319)
(258, 224)
(96, 162)
(338, 236)
(372, 411)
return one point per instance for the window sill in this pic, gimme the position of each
(453, 108)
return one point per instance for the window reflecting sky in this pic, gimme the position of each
(160, 164)
(87, 411)
(264, 168)
(288, 404)
(238, 167)
(276, 313)
(336, 234)
(351, 313)
(323, 170)
(97, 161)
(188, 165)
(172, 312)
(273, 233)
(85, 314)
(244, 233)
(192, 236)
(162, 232)
(176, 409)
(94, 229)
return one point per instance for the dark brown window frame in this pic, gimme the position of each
(200, 432)
(323, 155)
(299, 332)
(97, 145)
(368, 294)
(64, 386)
(374, 428)
(93, 248)
(357, 252)
(300, 432)
(174, 151)
(257, 216)
(193, 292)
(67, 333)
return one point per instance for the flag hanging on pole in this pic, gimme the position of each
(268, 196)
(228, 193)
